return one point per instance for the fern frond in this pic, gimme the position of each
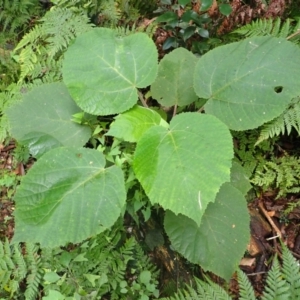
(283, 283)
(30, 38)
(282, 173)
(203, 291)
(143, 262)
(291, 272)
(21, 270)
(266, 27)
(61, 26)
(245, 288)
(48, 40)
(35, 271)
(276, 27)
(6, 265)
(17, 13)
(110, 14)
(276, 287)
(9, 275)
(285, 29)
(289, 119)
(211, 290)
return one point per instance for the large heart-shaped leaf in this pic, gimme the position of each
(103, 70)
(249, 83)
(177, 167)
(220, 241)
(42, 121)
(67, 196)
(174, 83)
(132, 124)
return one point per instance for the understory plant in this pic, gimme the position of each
(107, 264)
(290, 30)
(44, 38)
(184, 165)
(16, 17)
(280, 174)
(283, 282)
(189, 24)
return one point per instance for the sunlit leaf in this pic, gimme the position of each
(177, 167)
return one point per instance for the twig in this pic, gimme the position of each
(257, 273)
(278, 232)
(295, 254)
(293, 34)
(272, 238)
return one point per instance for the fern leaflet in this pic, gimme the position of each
(245, 288)
(289, 119)
(291, 272)
(276, 287)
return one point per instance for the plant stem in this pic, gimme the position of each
(174, 110)
(141, 97)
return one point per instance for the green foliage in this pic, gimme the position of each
(12, 94)
(103, 72)
(8, 68)
(104, 265)
(288, 120)
(119, 64)
(15, 17)
(248, 153)
(47, 41)
(87, 198)
(71, 194)
(189, 29)
(202, 291)
(131, 125)
(246, 93)
(174, 83)
(291, 206)
(290, 270)
(270, 27)
(246, 291)
(8, 182)
(290, 30)
(281, 174)
(16, 267)
(40, 50)
(221, 226)
(110, 13)
(276, 286)
(56, 111)
(127, 30)
(239, 178)
(265, 170)
(283, 282)
(173, 145)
